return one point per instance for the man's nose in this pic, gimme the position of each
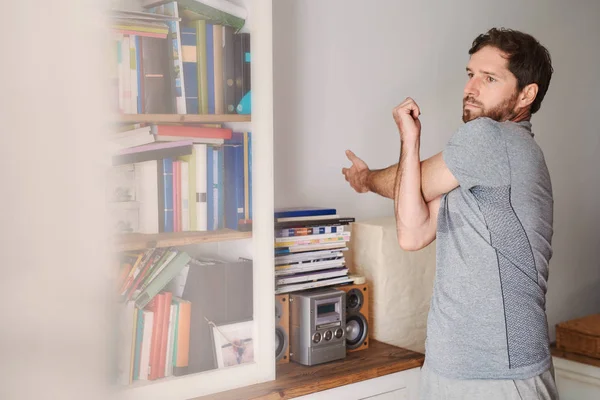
(472, 88)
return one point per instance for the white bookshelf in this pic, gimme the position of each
(258, 244)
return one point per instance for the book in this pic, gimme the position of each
(217, 11)
(182, 337)
(162, 279)
(311, 276)
(218, 68)
(176, 64)
(190, 69)
(159, 151)
(155, 77)
(303, 212)
(190, 131)
(228, 68)
(311, 285)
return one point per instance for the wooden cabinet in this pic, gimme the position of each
(402, 385)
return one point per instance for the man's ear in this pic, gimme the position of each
(527, 95)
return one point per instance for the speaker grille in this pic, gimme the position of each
(281, 343)
(356, 330)
(354, 300)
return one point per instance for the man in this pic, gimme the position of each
(488, 199)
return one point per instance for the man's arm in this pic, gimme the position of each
(436, 178)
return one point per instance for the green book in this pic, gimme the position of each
(200, 26)
(191, 160)
(162, 279)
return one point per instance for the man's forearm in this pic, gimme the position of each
(436, 179)
(381, 181)
(411, 210)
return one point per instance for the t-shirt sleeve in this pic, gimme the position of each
(476, 155)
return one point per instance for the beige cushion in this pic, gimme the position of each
(401, 282)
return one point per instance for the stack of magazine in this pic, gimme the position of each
(309, 246)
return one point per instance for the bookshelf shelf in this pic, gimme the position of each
(138, 241)
(182, 118)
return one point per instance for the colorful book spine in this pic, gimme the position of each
(176, 69)
(210, 69)
(229, 70)
(202, 66)
(168, 195)
(190, 69)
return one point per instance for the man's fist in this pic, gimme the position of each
(406, 116)
(357, 174)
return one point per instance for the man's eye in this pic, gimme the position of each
(470, 75)
(490, 79)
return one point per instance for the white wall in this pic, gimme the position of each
(342, 65)
(55, 337)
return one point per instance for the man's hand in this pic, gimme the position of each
(357, 174)
(406, 116)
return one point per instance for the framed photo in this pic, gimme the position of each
(234, 343)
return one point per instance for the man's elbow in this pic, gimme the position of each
(410, 243)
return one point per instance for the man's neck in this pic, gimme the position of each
(523, 115)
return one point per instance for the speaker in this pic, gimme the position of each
(357, 316)
(282, 328)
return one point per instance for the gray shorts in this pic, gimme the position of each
(435, 387)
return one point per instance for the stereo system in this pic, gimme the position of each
(321, 325)
(318, 326)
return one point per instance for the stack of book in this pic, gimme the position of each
(309, 246)
(154, 322)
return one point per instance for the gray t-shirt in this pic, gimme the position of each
(487, 318)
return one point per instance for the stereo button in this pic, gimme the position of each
(316, 337)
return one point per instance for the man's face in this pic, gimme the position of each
(491, 90)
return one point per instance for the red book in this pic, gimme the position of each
(166, 316)
(157, 306)
(192, 131)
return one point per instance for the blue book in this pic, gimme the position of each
(190, 69)
(303, 212)
(220, 212)
(210, 68)
(234, 185)
(210, 194)
(249, 176)
(168, 194)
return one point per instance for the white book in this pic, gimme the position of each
(310, 277)
(309, 256)
(313, 247)
(170, 341)
(291, 269)
(165, 138)
(201, 189)
(146, 180)
(146, 341)
(310, 285)
(185, 196)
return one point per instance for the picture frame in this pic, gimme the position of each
(233, 343)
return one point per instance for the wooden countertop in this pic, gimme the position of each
(574, 357)
(294, 380)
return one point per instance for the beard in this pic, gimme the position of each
(501, 112)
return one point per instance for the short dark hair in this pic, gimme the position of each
(528, 60)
